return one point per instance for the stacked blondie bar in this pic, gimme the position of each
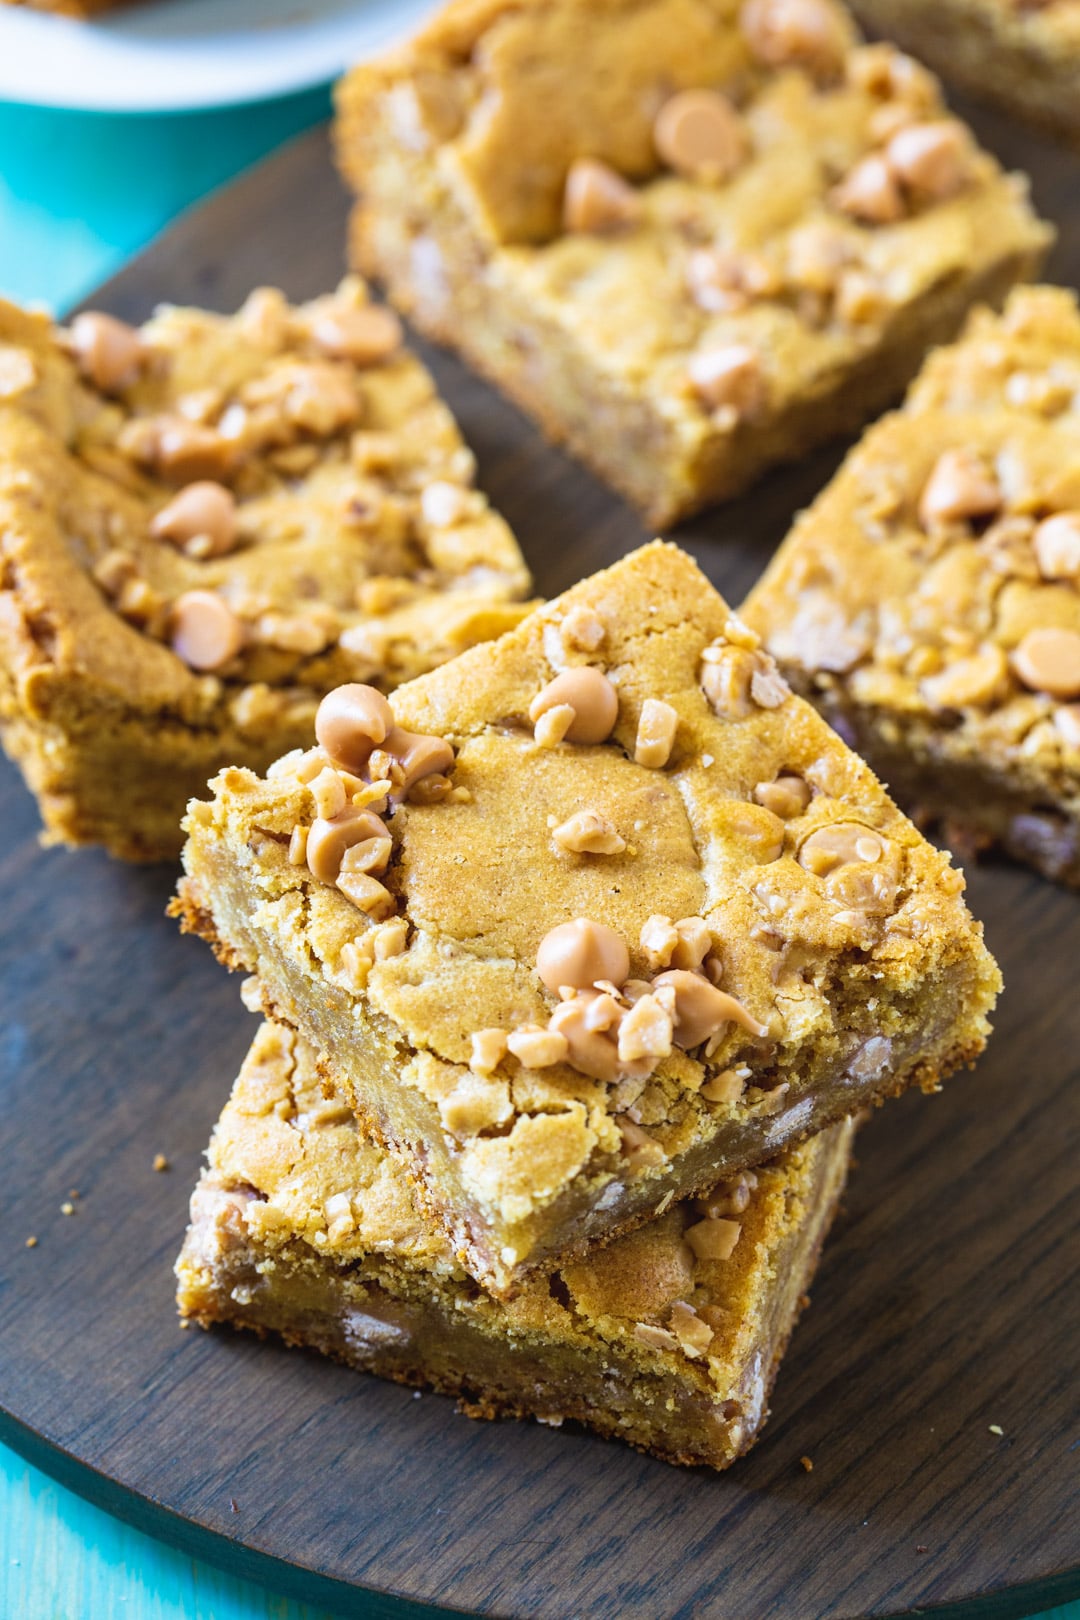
(580, 952)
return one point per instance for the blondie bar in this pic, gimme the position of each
(1024, 55)
(670, 1338)
(207, 524)
(638, 920)
(692, 238)
(928, 601)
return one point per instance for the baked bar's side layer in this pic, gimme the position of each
(909, 619)
(666, 466)
(854, 1008)
(1024, 58)
(301, 1228)
(468, 261)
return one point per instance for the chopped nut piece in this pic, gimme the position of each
(582, 630)
(659, 940)
(552, 726)
(713, 1239)
(693, 1334)
(597, 199)
(204, 631)
(488, 1050)
(108, 352)
(443, 504)
(1057, 546)
(328, 791)
(961, 486)
(369, 855)
(933, 158)
(656, 1338)
(581, 952)
(586, 833)
(537, 1048)
(657, 726)
(367, 334)
(1048, 660)
(729, 377)
(589, 694)
(201, 520)
(787, 797)
(251, 994)
(869, 192)
(367, 894)
(699, 134)
(977, 679)
(589, 1050)
(645, 1031)
(298, 845)
(734, 680)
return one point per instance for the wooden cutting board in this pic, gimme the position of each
(933, 1384)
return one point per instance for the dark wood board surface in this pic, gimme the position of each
(947, 1301)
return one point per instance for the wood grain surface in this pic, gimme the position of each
(947, 1301)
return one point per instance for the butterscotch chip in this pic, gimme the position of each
(932, 158)
(729, 377)
(1048, 660)
(656, 730)
(869, 192)
(108, 352)
(597, 199)
(787, 797)
(201, 520)
(204, 631)
(839, 845)
(698, 133)
(699, 1009)
(580, 953)
(1057, 546)
(350, 722)
(961, 486)
(366, 335)
(802, 33)
(586, 833)
(591, 697)
(328, 841)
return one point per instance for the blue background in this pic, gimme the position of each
(80, 193)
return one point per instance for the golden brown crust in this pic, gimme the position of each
(358, 549)
(459, 144)
(301, 1226)
(918, 625)
(863, 981)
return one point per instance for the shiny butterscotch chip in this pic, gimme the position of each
(699, 133)
(597, 199)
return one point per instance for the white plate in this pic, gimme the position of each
(179, 55)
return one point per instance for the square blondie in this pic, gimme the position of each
(1022, 55)
(205, 525)
(929, 600)
(669, 1339)
(691, 238)
(591, 918)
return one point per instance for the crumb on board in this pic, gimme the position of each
(995, 1428)
(920, 1546)
(807, 1463)
(234, 1506)
(160, 1162)
(31, 1242)
(67, 1209)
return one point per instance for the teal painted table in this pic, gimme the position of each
(79, 194)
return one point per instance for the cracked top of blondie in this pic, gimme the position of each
(729, 905)
(693, 1289)
(736, 175)
(223, 517)
(936, 579)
